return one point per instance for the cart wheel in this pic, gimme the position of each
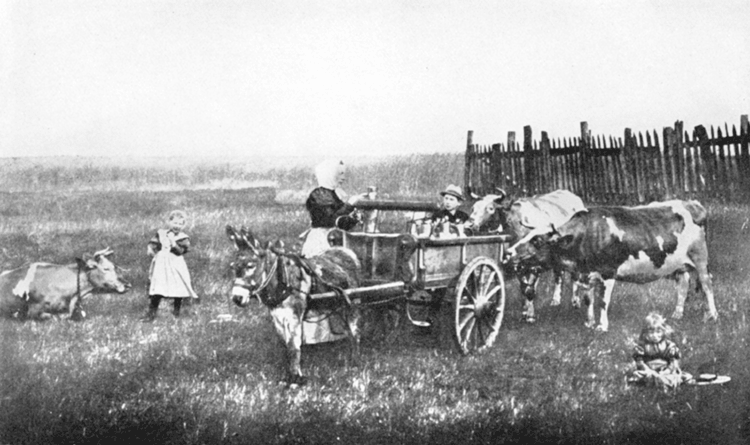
(479, 305)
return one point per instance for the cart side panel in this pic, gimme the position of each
(384, 257)
(440, 264)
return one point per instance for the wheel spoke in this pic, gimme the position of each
(488, 282)
(464, 320)
(468, 303)
(470, 294)
(494, 290)
(476, 278)
(467, 331)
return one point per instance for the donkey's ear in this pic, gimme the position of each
(276, 246)
(234, 236)
(250, 239)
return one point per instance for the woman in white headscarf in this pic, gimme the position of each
(327, 209)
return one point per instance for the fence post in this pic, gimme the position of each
(516, 177)
(707, 174)
(496, 168)
(585, 146)
(529, 161)
(682, 155)
(668, 158)
(467, 162)
(631, 169)
(745, 157)
(548, 179)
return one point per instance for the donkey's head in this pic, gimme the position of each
(257, 269)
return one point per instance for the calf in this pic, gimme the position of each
(41, 290)
(518, 218)
(633, 244)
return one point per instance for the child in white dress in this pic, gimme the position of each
(168, 274)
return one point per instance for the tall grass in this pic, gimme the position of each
(113, 379)
(407, 175)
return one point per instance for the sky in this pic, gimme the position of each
(325, 78)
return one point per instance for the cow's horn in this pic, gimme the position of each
(104, 252)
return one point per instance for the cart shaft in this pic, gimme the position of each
(367, 292)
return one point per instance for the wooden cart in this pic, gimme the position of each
(429, 272)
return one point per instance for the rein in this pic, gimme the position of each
(284, 289)
(78, 295)
(266, 281)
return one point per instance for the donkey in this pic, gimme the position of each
(283, 282)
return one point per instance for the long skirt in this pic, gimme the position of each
(659, 375)
(316, 241)
(321, 327)
(169, 276)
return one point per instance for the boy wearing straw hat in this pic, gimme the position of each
(452, 198)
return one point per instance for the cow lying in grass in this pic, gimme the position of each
(284, 282)
(518, 217)
(634, 244)
(41, 290)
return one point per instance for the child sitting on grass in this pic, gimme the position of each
(657, 358)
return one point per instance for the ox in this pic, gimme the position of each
(283, 282)
(41, 290)
(519, 217)
(632, 244)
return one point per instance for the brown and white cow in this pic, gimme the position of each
(518, 218)
(41, 290)
(632, 244)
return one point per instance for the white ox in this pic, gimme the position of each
(518, 218)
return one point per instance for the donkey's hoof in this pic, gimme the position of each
(296, 380)
(711, 316)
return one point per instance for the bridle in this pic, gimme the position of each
(79, 296)
(282, 274)
(266, 276)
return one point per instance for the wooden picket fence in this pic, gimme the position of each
(608, 170)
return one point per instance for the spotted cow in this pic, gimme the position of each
(632, 244)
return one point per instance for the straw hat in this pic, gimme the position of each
(453, 190)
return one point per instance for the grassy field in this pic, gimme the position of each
(112, 379)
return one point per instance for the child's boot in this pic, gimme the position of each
(176, 307)
(152, 308)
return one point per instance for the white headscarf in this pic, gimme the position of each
(327, 173)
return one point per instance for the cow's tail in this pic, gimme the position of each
(700, 218)
(698, 213)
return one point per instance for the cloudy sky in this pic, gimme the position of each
(243, 78)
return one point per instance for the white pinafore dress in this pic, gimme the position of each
(168, 274)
